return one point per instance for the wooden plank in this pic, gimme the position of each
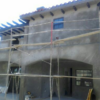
(89, 94)
(54, 42)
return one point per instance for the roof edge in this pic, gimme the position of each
(57, 7)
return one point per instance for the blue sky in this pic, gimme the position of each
(12, 9)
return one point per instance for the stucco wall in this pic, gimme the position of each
(39, 87)
(3, 70)
(85, 49)
(70, 15)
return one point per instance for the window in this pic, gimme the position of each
(15, 70)
(81, 81)
(58, 23)
(15, 42)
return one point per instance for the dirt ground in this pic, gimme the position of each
(11, 96)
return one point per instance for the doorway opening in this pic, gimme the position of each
(14, 81)
(70, 82)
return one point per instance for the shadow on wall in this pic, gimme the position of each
(39, 86)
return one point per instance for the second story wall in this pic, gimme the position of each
(70, 27)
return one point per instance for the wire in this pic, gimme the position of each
(57, 31)
(76, 20)
(76, 37)
(7, 40)
(53, 76)
(54, 22)
(61, 21)
(55, 42)
(10, 29)
(6, 30)
(33, 51)
(31, 55)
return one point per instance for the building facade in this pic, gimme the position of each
(76, 57)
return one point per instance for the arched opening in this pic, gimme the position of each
(68, 87)
(9, 85)
(14, 81)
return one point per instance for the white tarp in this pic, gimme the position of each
(27, 97)
(3, 89)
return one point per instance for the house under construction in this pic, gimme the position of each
(54, 52)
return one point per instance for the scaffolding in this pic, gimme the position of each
(45, 44)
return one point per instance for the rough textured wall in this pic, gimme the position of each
(38, 84)
(70, 15)
(39, 87)
(77, 50)
(3, 70)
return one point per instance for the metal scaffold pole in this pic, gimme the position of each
(8, 68)
(51, 62)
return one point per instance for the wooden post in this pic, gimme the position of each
(8, 68)
(22, 83)
(58, 85)
(51, 62)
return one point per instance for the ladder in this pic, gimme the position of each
(89, 94)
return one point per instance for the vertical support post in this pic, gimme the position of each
(51, 62)
(58, 60)
(58, 86)
(8, 68)
(52, 83)
(51, 32)
(13, 88)
(99, 23)
(22, 91)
